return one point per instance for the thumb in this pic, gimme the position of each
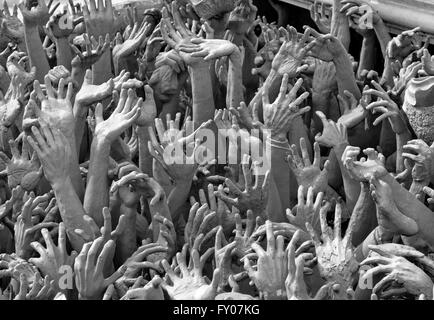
(98, 113)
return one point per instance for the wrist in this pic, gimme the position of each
(235, 56)
(341, 57)
(340, 147)
(321, 91)
(61, 182)
(200, 66)
(382, 235)
(101, 140)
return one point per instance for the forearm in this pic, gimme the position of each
(63, 53)
(275, 80)
(401, 141)
(387, 77)
(345, 76)
(274, 210)
(96, 196)
(177, 197)
(383, 36)
(102, 70)
(297, 131)
(119, 64)
(77, 75)
(367, 220)
(71, 210)
(408, 204)
(373, 238)
(320, 102)
(126, 242)
(74, 170)
(145, 158)
(80, 115)
(340, 27)
(281, 174)
(36, 53)
(162, 209)
(234, 94)
(351, 186)
(203, 101)
(367, 55)
(170, 107)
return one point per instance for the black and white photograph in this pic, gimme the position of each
(217, 155)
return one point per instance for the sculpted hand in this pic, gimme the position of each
(325, 47)
(125, 114)
(89, 266)
(138, 260)
(179, 39)
(306, 211)
(401, 276)
(41, 289)
(99, 21)
(295, 286)
(365, 169)
(336, 260)
(36, 16)
(90, 93)
(403, 44)
(25, 230)
(151, 291)
(23, 169)
(53, 151)
(333, 135)
(388, 108)
(148, 111)
(308, 174)
(319, 16)
(271, 272)
(352, 111)
(254, 196)
(290, 58)
(191, 284)
(11, 107)
(56, 26)
(222, 255)
(56, 107)
(244, 240)
(422, 154)
(53, 258)
(123, 81)
(242, 17)
(389, 217)
(124, 48)
(91, 51)
(209, 49)
(141, 184)
(16, 65)
(279, 115)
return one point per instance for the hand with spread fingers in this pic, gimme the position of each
(89, 266)
(254, 196)
(279, 115)
(308, 174)
(53, 259)
(91, 51)
(190, 284)
(271, 271)
(336, 258)
(26, 231)
(295, 285)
